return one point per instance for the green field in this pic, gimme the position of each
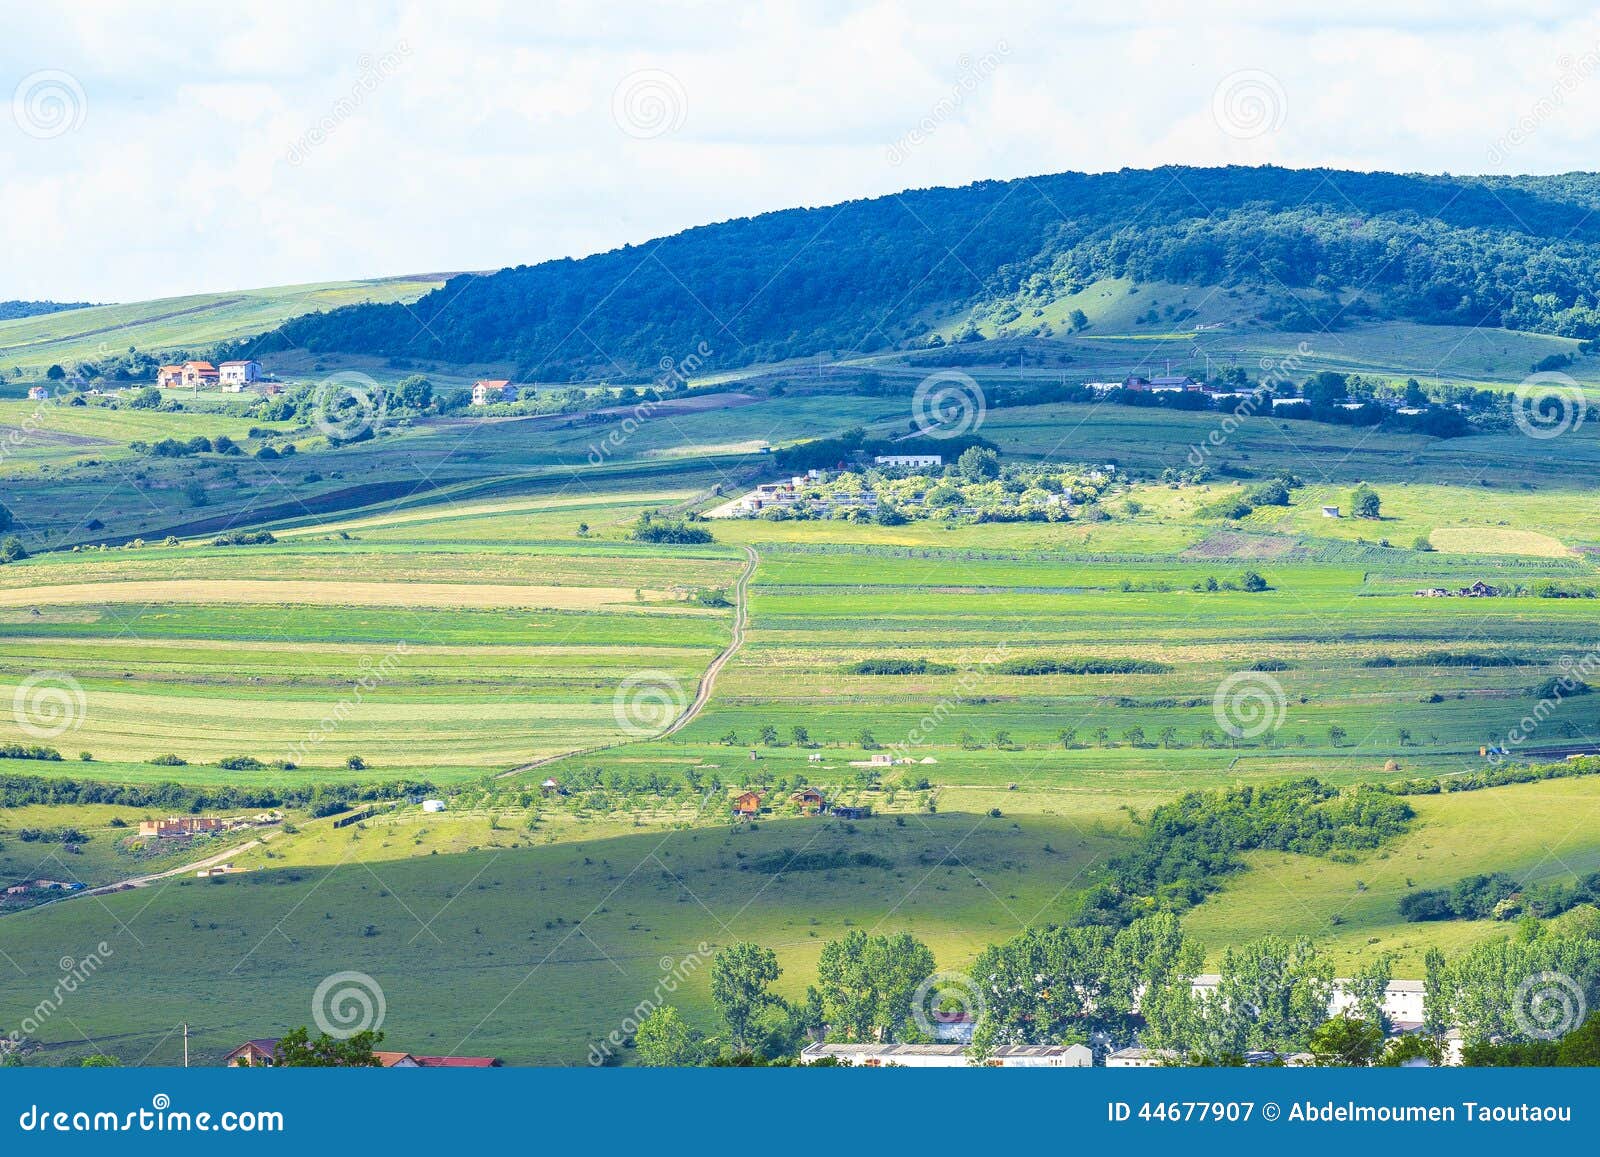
(458, 597)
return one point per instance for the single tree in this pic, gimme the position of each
(740, 976)
(664, 1039)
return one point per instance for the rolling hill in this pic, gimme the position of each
(1319, 249)
(92, 337)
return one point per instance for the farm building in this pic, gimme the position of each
(1136, 1058)
(747, 803)
(1330, 512)
(552, 787)
(38, 393)
(179, 827)
(913, 460)
(949, 1056)
(197, 375)
(259, 1054)
(809, 800)
(239, 373)
(488, 392)
(433, 805)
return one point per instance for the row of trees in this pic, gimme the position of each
(1059, 985)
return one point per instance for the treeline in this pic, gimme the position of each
(1500, 896)
(27, 790)
(1494, 775)
(1186, 847)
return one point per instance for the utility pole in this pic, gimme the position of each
(185, 1044)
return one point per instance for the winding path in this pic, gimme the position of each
(708, 681)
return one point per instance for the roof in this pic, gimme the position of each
(494, 383)
(201, 366)
(459, 1062)
(246, 362)
(264, 1045)
(389, 1060)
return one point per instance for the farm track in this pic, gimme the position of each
(708, 681)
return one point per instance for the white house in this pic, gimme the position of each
(950, 1056)
(433, 805)
(1136, 1058)
(913, 460)
(238, 374)
(38, 393)
(487, 393)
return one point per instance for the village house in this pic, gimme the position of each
(259, 1054)
(490, 391)
(238, 374)
(169, 376)
(912, 460)
(1138, 1058)
(747, 803)
(198, 375)
(38, 393)
(179, 827)
(809, 800)
(949, 1056)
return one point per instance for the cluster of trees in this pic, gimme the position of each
(1500, 896)
(1186, 847)
(1475, 251)
(653, 526)
(1494, 775)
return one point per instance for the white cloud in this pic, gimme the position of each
(492, 140)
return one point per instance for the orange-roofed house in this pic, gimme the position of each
(748, 804)
(169, 376)
(199, 374)
(487, 393)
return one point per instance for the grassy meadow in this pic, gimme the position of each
(460, 596)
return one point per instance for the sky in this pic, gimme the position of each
(156, 149)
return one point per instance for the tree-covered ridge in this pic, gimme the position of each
(868, 274)
(13, 310)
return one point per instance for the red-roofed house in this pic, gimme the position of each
(169, 376)
(251, 1054)
(460, 1062)
(486, 393)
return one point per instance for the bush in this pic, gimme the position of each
(240, 763)
(898, 667)
(170, 760)
(1044, 666)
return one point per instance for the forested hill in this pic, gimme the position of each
(1521, 252)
